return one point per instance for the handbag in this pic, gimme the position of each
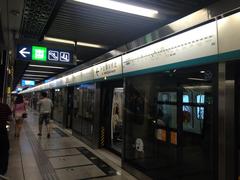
(24, 115)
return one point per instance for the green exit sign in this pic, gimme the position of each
(39, 53)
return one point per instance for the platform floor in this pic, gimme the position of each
(62, 157)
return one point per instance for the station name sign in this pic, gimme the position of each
(45, 54)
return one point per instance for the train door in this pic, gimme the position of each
(83, 117)
(196, 128)
(112, 115)
(69, 112)
(117, 120)
(51, 96)
(58, 110)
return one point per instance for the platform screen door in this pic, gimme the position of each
(117, 119)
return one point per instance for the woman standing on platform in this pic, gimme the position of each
(19, 112)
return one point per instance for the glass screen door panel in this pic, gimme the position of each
(117, 120)
(197, 120)
(151, 125)
(58, 105)
(83, 110)
(169, 125)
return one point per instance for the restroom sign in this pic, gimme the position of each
(44, 54)
(64, 56)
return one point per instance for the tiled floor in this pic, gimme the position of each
(81, 172)
(62, 157)
(69, 161)
(62, 152)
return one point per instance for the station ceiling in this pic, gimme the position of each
(75, 21)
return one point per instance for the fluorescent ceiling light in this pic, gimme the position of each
(32, 78)
(89, 45)
(72, 42)
(198, 87)
(123, 7)
(197, 79)
(34, 75)
(43, 72)
(52, 67)
(58, 40)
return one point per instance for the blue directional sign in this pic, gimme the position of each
(24, 52)
(28, 83)
(44, 54)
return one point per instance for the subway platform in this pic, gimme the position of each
(61, 157)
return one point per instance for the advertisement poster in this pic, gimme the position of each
(173, 137)
(117, 115)
(161, 134)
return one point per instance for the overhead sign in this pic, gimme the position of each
(19, 89)
(87, 74)
(192, 44)
(45, 54)
(53, 55)
(109, 68)
(28, 83)
(25, 52)
(39, 53)
(64, 56)
(228, 37)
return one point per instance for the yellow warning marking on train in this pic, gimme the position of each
(102, 139)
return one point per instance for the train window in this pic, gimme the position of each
(201, 98)
(167, 97)
(167, 109)
(186, 99)
(193, 111)
(200, 110)
(187, 113)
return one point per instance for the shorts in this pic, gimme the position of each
(19, 120)
(44, 117)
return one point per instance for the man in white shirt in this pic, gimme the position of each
(45, 109)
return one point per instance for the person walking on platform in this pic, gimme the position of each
(45, 108)
(19, 113)
(5, 113)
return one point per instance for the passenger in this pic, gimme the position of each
(26, 101)
(34, 101)
(45, 108)
(19, 113)
(5, 113)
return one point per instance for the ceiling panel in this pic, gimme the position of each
(91, 24)
(35, 17)
(80, 22)
(84, 53)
